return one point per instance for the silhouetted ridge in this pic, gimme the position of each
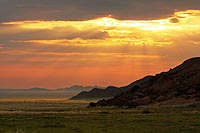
(190, 64)
(97, 93)
(110, 91)
(181, 82)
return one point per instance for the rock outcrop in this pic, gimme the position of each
(181, 82)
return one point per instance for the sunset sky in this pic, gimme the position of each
(59, 43)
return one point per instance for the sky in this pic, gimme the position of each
(56, 44)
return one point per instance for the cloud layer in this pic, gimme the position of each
(88, 9)
(60, 43)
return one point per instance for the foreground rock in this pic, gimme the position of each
(182, 82)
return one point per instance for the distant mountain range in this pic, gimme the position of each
(43, 93)
(77, 89)
(73, 89)
(181, 84)
(38, 89)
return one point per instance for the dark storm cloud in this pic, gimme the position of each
(12, 10)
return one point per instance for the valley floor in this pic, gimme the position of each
(71, 117)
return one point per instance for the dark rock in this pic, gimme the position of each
(181, 82)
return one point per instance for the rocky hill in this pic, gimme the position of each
(108, 92)
(97, 93)
(182, 82)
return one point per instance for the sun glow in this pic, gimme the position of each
(110, 31)
(106, 22)
(89, 51)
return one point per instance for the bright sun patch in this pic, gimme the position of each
(110, 31)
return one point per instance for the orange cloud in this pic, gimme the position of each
(107, 31)
(66, 51)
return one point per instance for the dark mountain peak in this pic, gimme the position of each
(194, 60)
(188, 65)
(97, 93)
(109, 91)
(181, 82)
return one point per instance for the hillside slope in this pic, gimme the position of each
(108, 92)
(181, 82)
